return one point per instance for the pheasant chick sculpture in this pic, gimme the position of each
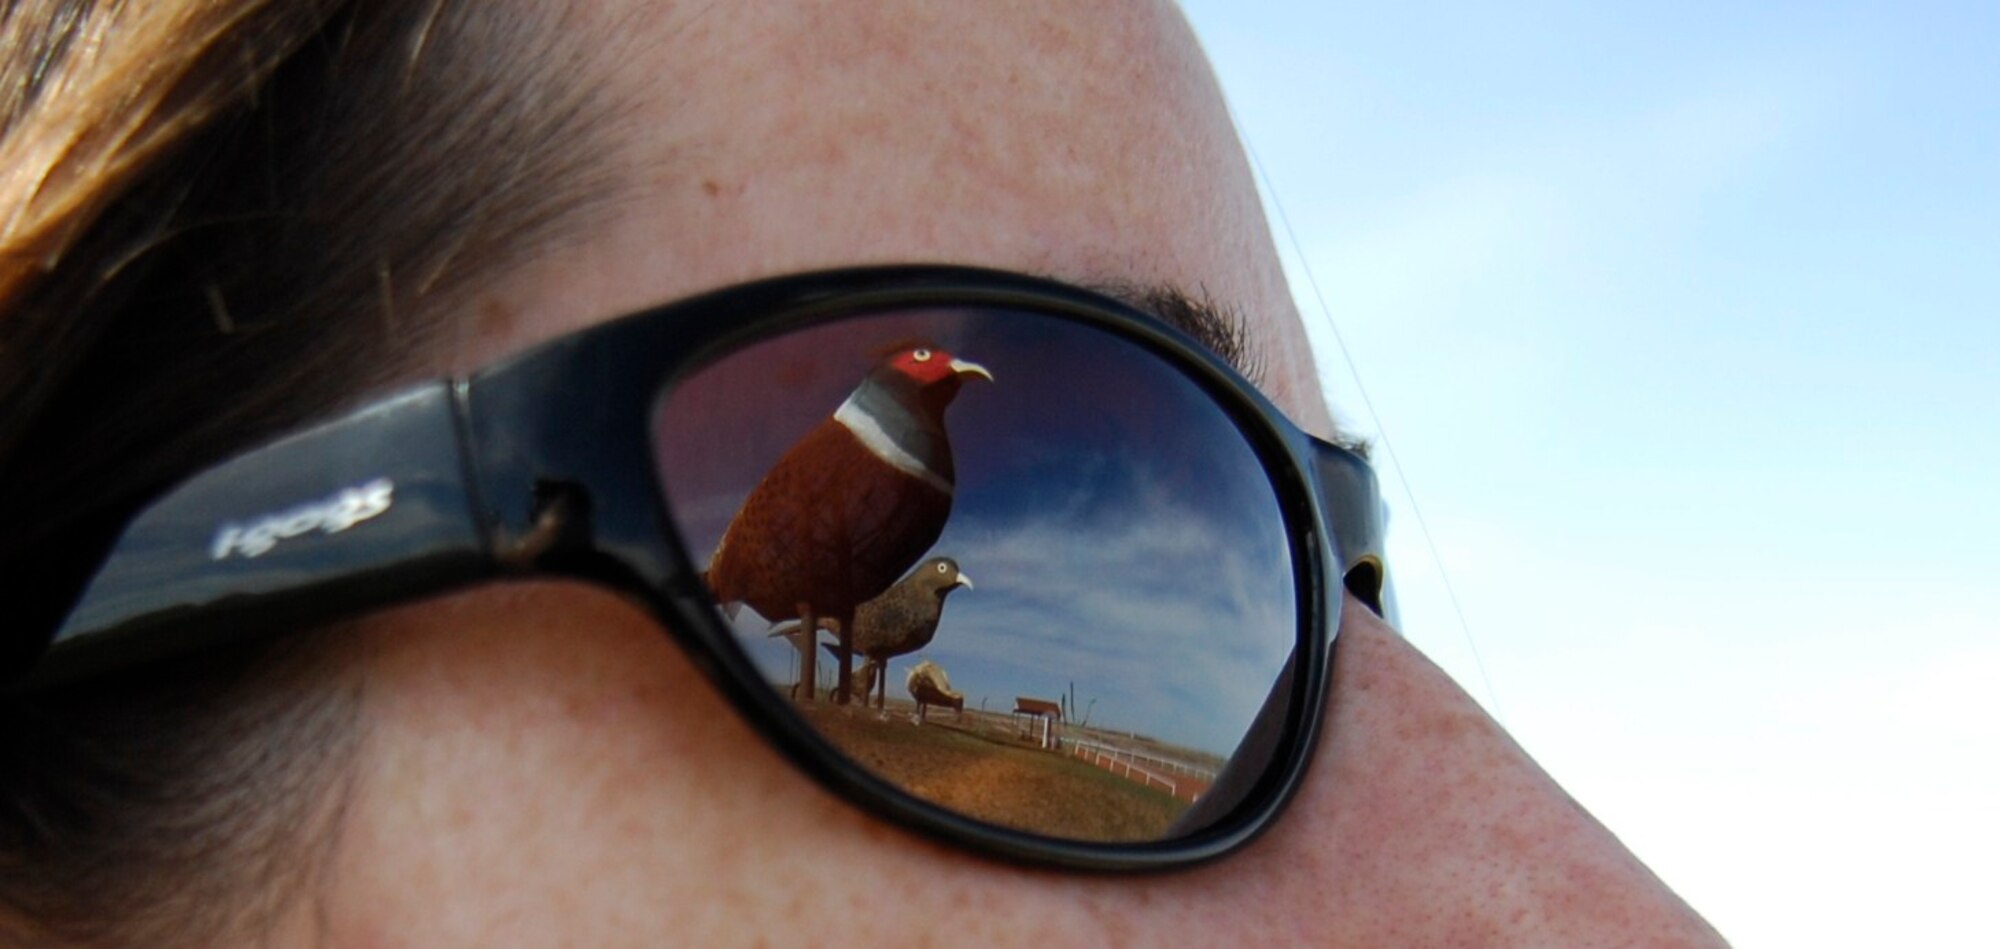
(930, 686)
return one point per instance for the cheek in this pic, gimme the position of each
(1428, 825)
(543, 766)
(540, 755)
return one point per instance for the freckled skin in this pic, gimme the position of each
(542, 766)
(607, 778)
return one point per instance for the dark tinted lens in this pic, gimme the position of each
(1062, 594)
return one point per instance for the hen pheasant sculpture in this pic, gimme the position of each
(901, 621)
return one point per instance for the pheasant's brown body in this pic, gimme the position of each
(831, 525)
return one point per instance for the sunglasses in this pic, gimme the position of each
(801, 478)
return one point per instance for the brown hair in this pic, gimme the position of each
(219, 218)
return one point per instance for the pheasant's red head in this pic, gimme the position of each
(929, 365)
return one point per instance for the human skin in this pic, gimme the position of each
(541, 765)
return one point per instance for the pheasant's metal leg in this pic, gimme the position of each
(808, 687)
(844, 688)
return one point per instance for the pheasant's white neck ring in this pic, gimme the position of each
(867, 427)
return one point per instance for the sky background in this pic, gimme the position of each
(1681, 325)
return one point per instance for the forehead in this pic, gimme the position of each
(1083, 141)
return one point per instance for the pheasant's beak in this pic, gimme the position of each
(964, 581)
(964, 368)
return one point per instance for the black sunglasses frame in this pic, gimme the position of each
(543, 465)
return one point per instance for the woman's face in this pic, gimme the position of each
(542, 765)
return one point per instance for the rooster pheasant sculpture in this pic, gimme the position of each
(849, 507)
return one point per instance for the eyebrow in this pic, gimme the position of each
(1220, 328)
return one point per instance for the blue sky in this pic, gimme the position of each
(1683, 324)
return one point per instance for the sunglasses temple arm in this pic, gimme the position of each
(360, 512)
(1352, 502)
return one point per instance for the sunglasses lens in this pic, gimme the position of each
(1017, 566)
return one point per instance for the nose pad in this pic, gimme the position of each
(1364, 580)
(1352, 505)
(561, 533)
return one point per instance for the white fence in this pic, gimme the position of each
(1147, 769)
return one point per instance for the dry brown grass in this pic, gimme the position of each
(977, 765)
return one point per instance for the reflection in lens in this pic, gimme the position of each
(1134, 603)
(847, 508)
(929, 686)
(899, 622)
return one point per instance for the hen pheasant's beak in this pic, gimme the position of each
(964, 581)
(964, 368)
